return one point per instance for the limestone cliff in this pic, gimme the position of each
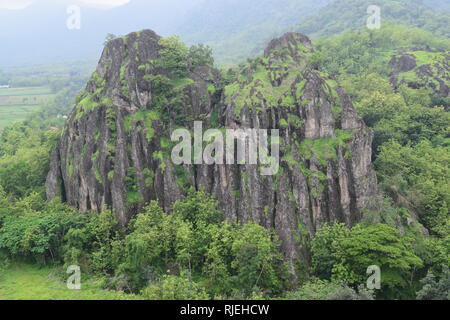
(115, 149)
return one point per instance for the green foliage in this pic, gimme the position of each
(240, 30)
(345, 254)
(257, 259)
(347, 293)
(24, 158)
(173, 287)
(190, 253)
(173, 57)
(29, 234)
(158, 242)
(367, 51)
(243, 260)
(315, 60)
(326, 290)
(414, 125)
(323, 255)
(218, 260)
(95, 245)
(434, 289)
(379, 245)
(411, 129)
(324, 149)
(200, 55)
(131, 184)
(173, 71)
(193, 238)
(345, 15)
(389, 214)
(198, 208)
(267, 82)
(379, 106)
(283, 123)
(419, 174)
(435, 252)
(316, 290)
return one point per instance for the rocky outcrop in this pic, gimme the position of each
(115, 149)
(403, 63)
(423, 68)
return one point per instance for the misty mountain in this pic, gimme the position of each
(438, 4)
(237, 29)
(38, 33)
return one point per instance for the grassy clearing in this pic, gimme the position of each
(25, 91)
(25, 99)
(29, 282)
(17, 103)
(425, 57)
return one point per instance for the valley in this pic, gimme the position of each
(16, 104)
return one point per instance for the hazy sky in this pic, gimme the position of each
(21, 4)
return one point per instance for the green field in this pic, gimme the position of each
(17, 103)
(29, 282)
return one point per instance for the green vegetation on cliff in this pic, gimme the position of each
(191, 253)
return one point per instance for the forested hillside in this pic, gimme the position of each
(407, 114)
(239, 29)
(343, 15)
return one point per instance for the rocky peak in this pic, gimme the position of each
(291, 43)
(115, 149)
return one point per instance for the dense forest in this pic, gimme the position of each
(192, 253)
(343, 15)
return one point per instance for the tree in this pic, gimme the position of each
(326, 290)
(420, 175)
(25, 158)
(173, 287)
(218, 258)
(378, 245)
(200, 55)
(95, 243)
(256, 259)
(322, 250)
(173, 57)
(159, 241)
(28, 233)
(108, 38)
(434, 289)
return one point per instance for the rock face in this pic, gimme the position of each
(115, 149)
(403, 63)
